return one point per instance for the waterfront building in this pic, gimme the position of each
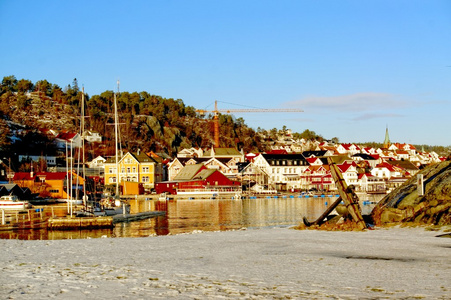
(134, 167)
(198, 179)
(284, 169)
(49, 184)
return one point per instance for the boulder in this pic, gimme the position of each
(404, 204)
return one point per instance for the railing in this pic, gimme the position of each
(30, 218)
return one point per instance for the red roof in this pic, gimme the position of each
(22, 176)
(281, 151)
(66, 135)
(52, 175)
(48, 175)
(387, 166)
(312, 160)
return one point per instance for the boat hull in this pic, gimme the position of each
(7, 205)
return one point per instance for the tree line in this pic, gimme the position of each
(147, 122)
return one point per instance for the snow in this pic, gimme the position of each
(264, 263)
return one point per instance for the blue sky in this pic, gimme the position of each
(354, 67)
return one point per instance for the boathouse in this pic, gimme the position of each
(198, 179)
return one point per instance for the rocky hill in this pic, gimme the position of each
(405, 204)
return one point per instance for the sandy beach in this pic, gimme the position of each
(272, 263)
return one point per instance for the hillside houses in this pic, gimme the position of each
(291, 165)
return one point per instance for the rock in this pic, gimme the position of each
(405, 205)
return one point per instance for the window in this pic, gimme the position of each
(54, 191)
(128, 170)
(145, 169)
(112, 179)
(134, 169)
(146, 179)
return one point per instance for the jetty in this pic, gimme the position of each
(69, 223)
(27, 219)
(39, 219)
(136, 217)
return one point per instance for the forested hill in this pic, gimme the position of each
(148, 122)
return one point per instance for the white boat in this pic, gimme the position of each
(71, 201)
(12, 202)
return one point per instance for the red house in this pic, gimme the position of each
(196, 179)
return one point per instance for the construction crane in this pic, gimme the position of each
(216, 112)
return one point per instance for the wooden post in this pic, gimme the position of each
(349, 197)
(3, 217)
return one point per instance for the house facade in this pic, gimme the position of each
(133, 167)
(50, 184)
(198, 179)
(68, 139)
(284, 169)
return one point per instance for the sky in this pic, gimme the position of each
(355, 68)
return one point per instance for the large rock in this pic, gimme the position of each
(405, 205)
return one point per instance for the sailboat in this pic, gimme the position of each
(117, 207)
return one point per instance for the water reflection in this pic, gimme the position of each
(184, 216)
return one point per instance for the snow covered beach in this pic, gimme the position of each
(278, 263)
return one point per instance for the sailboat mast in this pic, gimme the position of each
(83, 144)
(116, 140)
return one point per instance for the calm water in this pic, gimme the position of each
(184, 216)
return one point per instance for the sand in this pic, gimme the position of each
(270, 263)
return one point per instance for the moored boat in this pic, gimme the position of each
(12, 202)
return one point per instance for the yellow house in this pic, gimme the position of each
(49, 184)
(134, 167)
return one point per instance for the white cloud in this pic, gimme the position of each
(368, 116)
(358, 102)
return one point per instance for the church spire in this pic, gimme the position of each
(387, 139)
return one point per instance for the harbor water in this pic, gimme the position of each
(195, 215)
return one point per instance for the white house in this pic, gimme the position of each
(97, 162)
(386, 171)
(93, 137)
(72, 140)
(284, 170)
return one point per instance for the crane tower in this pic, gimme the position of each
(216, 112)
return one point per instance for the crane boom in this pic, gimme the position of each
(216, 111)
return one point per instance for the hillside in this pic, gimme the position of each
(148, 122)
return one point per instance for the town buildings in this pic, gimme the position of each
(291, 166)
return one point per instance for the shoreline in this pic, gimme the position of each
(254, 263)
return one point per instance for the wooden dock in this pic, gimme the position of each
(70, 223)
(28, 219)
(38, 219)
(137, 216)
